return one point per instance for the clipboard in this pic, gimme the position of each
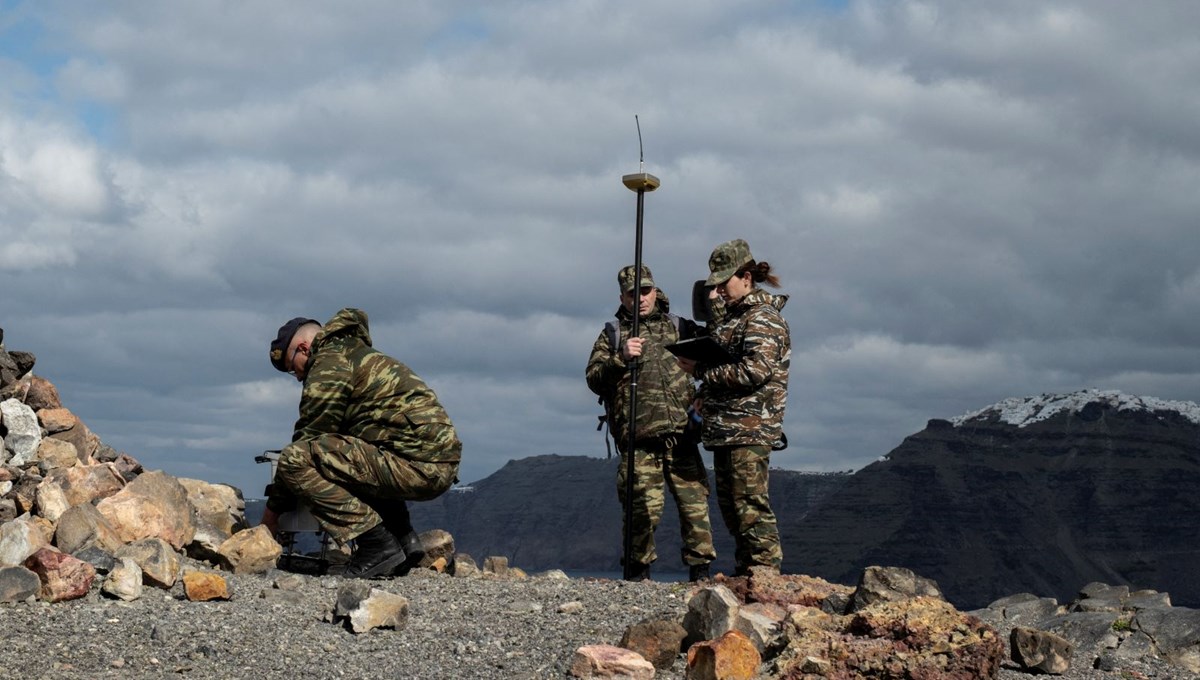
(702, 349)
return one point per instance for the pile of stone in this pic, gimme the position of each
(74, 512)
(894, 624)
(1104, 627)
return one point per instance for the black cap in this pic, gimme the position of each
(280, 344)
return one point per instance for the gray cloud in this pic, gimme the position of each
(965, 201)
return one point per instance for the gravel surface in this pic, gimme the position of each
(457, 628)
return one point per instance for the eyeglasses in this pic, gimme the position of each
(292, 362)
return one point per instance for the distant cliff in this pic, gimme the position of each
(562, 512)
(1030, 495)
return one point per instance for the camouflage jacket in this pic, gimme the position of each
(744, 401)
(664, 390)
(357, 391)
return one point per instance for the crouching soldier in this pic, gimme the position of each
(662, 453)
(371, 435)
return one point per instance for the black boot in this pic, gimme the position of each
(698, 572)
(414, 552)
(377, 554)
(639, 572)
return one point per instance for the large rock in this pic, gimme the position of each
(19, 539)
(250, 551)
(607, 661)
(81, 527)
(50, 500)
(220, 511)
(656, 640)
(82, 439)
(124, 582)
(729, 657)
(62, 576)
(23, 434)
(364, 608)
(1040, 652)
(159, 563)
(54, 453)
(41, 394)
(17, 584)
(155, 505)
(87, 483)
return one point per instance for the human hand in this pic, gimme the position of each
(688, 365)
(632, 348)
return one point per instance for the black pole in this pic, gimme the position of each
(640, 182)
(633, 385)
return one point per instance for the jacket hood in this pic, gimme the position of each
(349, 322)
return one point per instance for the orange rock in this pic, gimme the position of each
(202, 586)
(730, 657)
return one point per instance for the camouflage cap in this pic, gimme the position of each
(626, 280)
(280, 344)
(726, 259)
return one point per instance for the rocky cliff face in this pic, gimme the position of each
(562, 512)
(1030, 495)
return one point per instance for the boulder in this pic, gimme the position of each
(607, 661)
(55, 453)
(890, 584)
(913, 638)
(50, 501)
(250, 551)
(19, 539)
(62, 576)
(1038, 651)
(364, 608)
(56, 420)
(42, 394)
(155, 505)
(124, 581)
(656, 640)
(219, 513)
(82, 439)
(17, 584)
(730, 657)
(205, 586)
(712, 612)
(159, 562)
(82, 527)
(87, 483)
(22, 435)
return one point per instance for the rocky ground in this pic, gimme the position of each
(457, 628)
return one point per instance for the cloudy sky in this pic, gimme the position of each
(966, 200)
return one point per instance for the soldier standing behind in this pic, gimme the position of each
(743, 402)
(370, 436)
(662, 454)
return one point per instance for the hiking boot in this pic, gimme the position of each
(698, 572)
(414, 552)
(377, 554)
(639, 572)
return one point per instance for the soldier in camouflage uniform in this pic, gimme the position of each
(742, 402)
(371, 435)
(662, 453)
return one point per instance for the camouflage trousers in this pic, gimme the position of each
(351, 485)
(681, 469)
(741, 477)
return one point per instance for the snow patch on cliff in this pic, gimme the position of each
(1023, 411)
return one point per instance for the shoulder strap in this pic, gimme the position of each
(610, 329)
